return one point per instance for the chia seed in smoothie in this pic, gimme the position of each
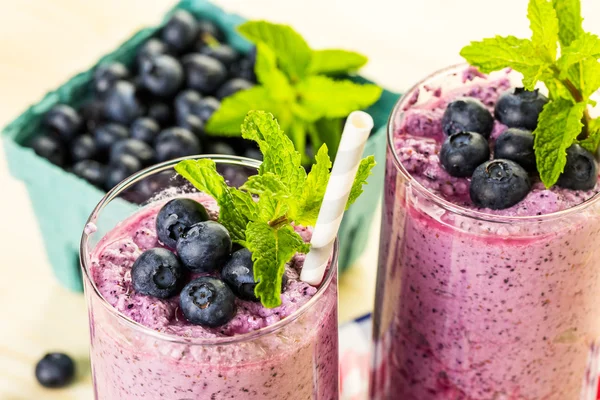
(472, 303)
(167, 357)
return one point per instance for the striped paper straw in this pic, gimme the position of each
(356, 132)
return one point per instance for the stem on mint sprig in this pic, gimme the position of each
(578, 97)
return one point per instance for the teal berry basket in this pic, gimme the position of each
(62, 202)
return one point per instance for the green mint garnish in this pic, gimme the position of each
(571, 76)
(259, 215)
(295, 85)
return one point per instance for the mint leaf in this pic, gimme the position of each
(326, 98)
(592, 142)
(364, 170)
(292, 51)
(267, 183)
(494, 54)
(245, 204)
(204, 176)
(559, 124)
(271, 208)
(544, 28)
(335, 62)
(329, 131)
(569, 20)
(271, 249)
(270, 76)
(227, 119)
(586, 46)
(314, 189)
(279, 155)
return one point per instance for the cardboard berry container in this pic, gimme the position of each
(62, 201)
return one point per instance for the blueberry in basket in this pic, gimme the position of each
(151, 109)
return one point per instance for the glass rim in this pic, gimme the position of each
(166, 337)
(397, 114)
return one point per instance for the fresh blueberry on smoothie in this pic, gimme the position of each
(176, 217)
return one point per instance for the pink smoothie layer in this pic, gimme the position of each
(475, 310)
(132, 365)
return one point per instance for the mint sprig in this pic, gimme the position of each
(295, 84)
(260, 214)
(571, 78)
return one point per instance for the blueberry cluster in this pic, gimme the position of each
(505, 180)
(153, 110)
(203, 247)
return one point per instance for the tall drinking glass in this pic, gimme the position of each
(478, 306)
(294, 358)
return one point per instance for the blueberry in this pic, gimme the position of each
(64, 120)
(219, 148)
(109, 134)
(462, 152)
(238, 273)
(145, 129)
(92, 171)
(233, 86)
(83, 148)
(180, 30)
(193, 124)
(49, 148)
(244, 69)
(92, 113)
(162, 75)
(174, 143)
(157, 272)
(133, 147)
(207, 301)
(176, 217)
(581, 170)
(208, 30)
(207, 108)
(121, 168)
(203, 73)
(517, 145)
(467, 115)
(55, 370)
(106, 75)
(186, 102)
(204, 247)
(520, 108)
(161, 113)
(224, 53)
(122, 103)
(499, 184)
(152, 48)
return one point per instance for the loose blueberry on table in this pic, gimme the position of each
(55, 370)
(506, 179)
(163, 99)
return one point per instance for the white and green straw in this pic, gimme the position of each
(356, 132)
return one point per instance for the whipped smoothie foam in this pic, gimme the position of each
(477, 303)
(288, 352)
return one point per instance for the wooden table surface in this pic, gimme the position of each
(44, 42)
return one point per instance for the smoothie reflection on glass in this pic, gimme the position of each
(480, 303)
(143, 347)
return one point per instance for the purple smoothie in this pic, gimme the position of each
(289, 352)
(477, 304)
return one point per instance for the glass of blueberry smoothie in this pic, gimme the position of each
(172, 307)
(488, 281)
